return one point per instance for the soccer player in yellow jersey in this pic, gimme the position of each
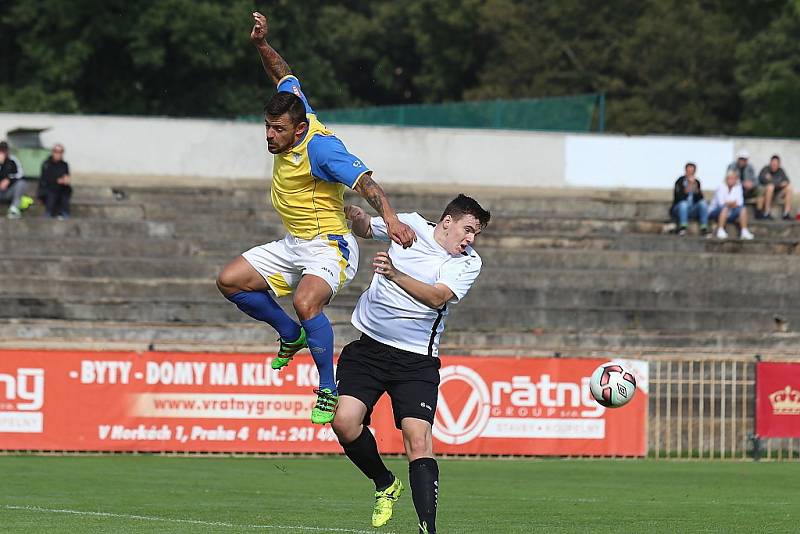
(318, 255)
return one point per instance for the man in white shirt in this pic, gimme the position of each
(728, 206)
(401, 317)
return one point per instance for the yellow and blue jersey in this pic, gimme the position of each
(308, 180)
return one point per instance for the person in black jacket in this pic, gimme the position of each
(688, 202)
(54, 188)
(12, 184)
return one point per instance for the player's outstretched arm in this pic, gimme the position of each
(432, 295)
(274, 65)
(398, 231)
(360, 221)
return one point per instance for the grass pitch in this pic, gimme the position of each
(123, 494)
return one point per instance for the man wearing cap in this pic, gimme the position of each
(747, 177)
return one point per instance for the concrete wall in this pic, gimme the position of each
(214, 149)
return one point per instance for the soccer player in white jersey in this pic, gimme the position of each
(401, 317)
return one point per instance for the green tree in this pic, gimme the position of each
(769, 73)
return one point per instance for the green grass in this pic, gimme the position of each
(477, 496)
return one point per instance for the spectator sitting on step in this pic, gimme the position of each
(728, 206)
(688, 202)
(12, 185)
(775, 182)
(747, 177)
(54, 184)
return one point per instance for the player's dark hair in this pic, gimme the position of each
(775, 156)
(284, 102)
(690, 164)
(464, 205)
(3, 146)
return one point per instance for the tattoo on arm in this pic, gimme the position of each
(274, 65)
(373, 193)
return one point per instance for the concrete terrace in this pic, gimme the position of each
(575, 272)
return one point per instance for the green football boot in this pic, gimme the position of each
(325, 409)
(25, 202)
(384, 503)
(289, 349)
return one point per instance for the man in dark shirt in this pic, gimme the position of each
(688, 201)
(54, 188)
(12, 185)
(774, 180)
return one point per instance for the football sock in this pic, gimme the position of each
(363, 452)
(423, 473)
(261, 306)
(319, 334)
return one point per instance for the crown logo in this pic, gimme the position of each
(785, 401)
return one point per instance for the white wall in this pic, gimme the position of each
(214, 149)
(644, 161)
(152, 146)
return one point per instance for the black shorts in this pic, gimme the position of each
(367, 369)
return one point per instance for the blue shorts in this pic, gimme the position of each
(733, 216)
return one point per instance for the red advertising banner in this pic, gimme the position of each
(778, 400)
(157, 401)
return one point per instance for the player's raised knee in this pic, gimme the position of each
(306, 305)
(226, 282)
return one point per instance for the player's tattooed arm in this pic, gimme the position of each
(274, 65)
(360, 221)
(398, 231)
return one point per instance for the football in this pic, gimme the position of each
(612, 385)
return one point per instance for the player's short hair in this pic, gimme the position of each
(3, 146)
(690, 164)
(283, 102)
(775, 156)
(464, 205)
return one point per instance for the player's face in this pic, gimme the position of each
(460, 233)
(282, 134)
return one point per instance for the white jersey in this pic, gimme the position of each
(388, 314)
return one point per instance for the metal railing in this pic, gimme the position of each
(705, 409)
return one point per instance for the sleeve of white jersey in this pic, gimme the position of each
(378, 225)
(459, 274)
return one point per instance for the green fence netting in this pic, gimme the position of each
(580, 113)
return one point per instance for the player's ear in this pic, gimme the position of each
(301, 129)
(446, 221)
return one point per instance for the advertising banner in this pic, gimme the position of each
(778, 400)
(159, 401)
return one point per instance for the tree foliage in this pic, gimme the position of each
(666, 66)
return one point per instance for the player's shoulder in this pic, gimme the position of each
(415, 220)
(324, 142)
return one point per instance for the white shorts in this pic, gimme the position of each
(334, 258)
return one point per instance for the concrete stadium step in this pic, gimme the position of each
(218, 242)
(406, 198)
(646, 243)
(256, 337)
(139, 310)
(626, 260)
(178, 269)
(474, 316)
(548, 293)
(34, 227)
(511, 256)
